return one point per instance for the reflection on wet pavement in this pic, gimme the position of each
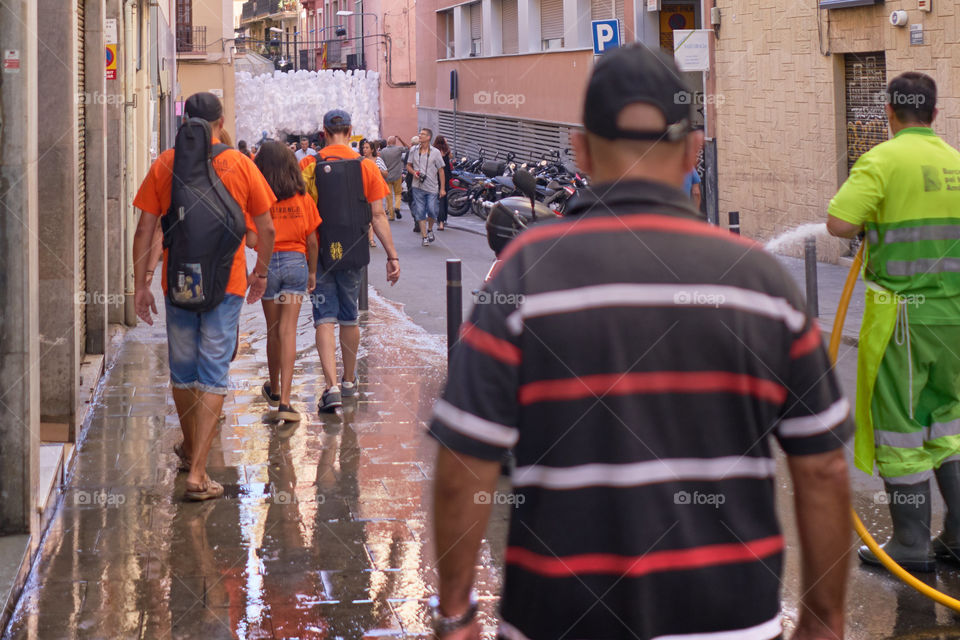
(322, 529)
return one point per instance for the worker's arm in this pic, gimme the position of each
(460, 522)
(822, 500)
(842, 228)
(695, 195)
(381, 227)
(265, 238)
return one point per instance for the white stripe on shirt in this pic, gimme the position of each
(474, 426)
(764, 631)
(643, 473)
(655, 295)
(816, 424)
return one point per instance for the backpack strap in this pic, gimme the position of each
(217, 149)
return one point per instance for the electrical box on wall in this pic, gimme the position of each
(924, 5)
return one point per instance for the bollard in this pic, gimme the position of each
(363, 303)
(734, 222)
(810, 262)
(454, 304)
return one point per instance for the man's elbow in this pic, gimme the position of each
(840, 228)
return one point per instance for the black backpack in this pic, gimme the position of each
(345, 212)
(204, 226)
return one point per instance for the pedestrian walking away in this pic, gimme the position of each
(351, 191)
(426, 166)
(904, 194)
(368, 149)
(393, 158)
(441, 145)
(202, 302)
(292, 272)
(644, 465)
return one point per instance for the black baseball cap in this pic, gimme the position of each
(203, 105)
(631, 74)
(336, 118)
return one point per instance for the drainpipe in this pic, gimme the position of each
(130, 16)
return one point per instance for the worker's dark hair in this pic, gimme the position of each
(340, 129)
(373, 147)
(242, 146)
(279, 166)
(441, 144)
(913, 97)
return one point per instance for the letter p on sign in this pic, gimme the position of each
(606, 35)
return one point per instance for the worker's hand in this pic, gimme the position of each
(469, 632)
(144, 304)
(311, 282)
(393, 271)
(257, 286)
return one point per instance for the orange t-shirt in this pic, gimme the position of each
(374, 186)
(241, 178)
(294, 219)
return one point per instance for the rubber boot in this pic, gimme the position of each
(946, 546)
(910, 544)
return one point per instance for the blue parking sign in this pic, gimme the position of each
(606, 35)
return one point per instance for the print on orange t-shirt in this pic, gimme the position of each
(241, 178)
(294, 219)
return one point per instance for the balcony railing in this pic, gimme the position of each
(191, 39)
(253, 9)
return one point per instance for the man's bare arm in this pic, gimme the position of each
(460, 522)
(842, 228)
(821, 489)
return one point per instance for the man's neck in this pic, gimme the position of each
(897, 126)
(342, 140)
(424, 147)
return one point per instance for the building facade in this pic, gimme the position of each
(86, 105)
(521, 66)
(799, 98)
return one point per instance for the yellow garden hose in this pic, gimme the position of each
(861, 530)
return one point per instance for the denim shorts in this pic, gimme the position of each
(337, 297)
(287, 273)
(425, 204)
(200, 345)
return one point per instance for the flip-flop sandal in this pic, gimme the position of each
(210, 491)
(184, 458)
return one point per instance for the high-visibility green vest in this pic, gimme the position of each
(906, 193)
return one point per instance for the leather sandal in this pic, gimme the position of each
(210, 490)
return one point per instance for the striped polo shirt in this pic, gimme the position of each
(637, 361)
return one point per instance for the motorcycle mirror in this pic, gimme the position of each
(543, 163)
(527, 184)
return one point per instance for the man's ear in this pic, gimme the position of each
(581, 151)
(694, 143)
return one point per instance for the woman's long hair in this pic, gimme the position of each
(441, 143)
(279, 166)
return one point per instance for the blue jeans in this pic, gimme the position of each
(425, 204)
(287, 273)
(337, 297)
(200, 345)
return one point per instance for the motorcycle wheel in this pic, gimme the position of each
(478, 209)
(458, 202)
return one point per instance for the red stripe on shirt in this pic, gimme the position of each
(490, 345)
(636, 566)
(651, 382)
(610, 224)
(806, 343)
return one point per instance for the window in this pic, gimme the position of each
(445, 34)
(606, 9)
(476, 29)
(551, 24)
(509, 26)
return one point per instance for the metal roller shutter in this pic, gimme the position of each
(497, 136)
(551, 19)
(606, 9)
(81, 176)
(509, 26)
(865, 83)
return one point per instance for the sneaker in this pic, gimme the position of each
(286, 412)
(396, 212)
(349, 389)
(425, 242)
(273, 399)
(330, 400)
(431, 237)
(416, 227)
